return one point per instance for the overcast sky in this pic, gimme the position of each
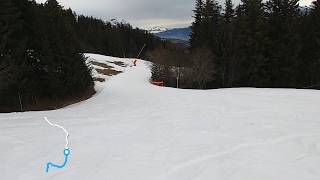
(140, 13)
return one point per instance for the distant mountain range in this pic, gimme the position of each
(157, 29)
(175, 33)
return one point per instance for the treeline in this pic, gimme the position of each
(257, 44)
(41, 46)
(273, 44)
(113, 38)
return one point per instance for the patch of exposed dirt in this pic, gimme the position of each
(108, 72)
(101, 64)
(119, 63)
(99, 79)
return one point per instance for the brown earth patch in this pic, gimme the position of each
(108, 72)
(99, 79)
(101, 64)
(119, 63)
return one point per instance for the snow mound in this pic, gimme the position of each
(133, 130)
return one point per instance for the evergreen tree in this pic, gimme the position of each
(251, 37)
(227, 46)
(284, 45)
(211, 25)
(229, 11)
(196, 39)
(65, 66)
(309, 59)
(315, 15)
(12, 51)
(10, 26)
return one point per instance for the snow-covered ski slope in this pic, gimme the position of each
(132, 130)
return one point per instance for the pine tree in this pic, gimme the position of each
(10, 28)
(196, 39)
(251, 39)
(284, 47)
(12, 51)
(65, 66)
(206, 29)
(227, 46)
(309, 59)
(315, 15)
(229, 11)
(211, 25)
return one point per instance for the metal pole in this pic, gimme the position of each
(20, 101)
(178, 77)
(141, 51)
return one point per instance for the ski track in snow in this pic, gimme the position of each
(64, 130)
(237, 148)
(132, 130)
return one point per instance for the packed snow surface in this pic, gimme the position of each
(133, 130)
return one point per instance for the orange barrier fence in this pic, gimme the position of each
(158, 83)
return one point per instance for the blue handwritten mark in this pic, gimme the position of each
(66, 153)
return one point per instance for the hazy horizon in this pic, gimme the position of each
(141, 13)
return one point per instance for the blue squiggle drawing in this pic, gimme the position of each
(66, 153)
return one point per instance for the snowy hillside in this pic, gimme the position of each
(132, 130)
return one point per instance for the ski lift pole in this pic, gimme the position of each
(20, 101)
(141, 51)
(178, 77)
(135, 61)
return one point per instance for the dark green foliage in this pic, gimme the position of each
(41, 51)
(251, 38)
(227, 44)
(259, 44)
(118, 39)
(211, 23)
(309, 67)
(229, 11)
(196, 39)
(205, 29)
(284, 47)
(12, 51)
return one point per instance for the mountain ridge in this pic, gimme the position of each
(175, 33)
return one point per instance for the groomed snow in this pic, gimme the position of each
(132, 130)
